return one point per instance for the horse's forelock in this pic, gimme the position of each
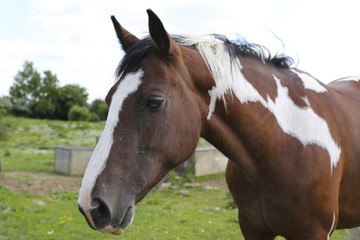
(134, 55)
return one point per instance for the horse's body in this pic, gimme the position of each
(293, 182)
(293, 142)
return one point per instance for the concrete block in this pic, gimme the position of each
(72, 160)
(209, 160)
(354, 233)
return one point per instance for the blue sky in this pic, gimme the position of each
(75, 39)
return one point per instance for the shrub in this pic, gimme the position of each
(5, 105)
(93, 117)
(69, 96)
(100, 108)
(2, 132)
(78, 113)
(3, 112)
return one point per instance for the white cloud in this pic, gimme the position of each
(75, 38)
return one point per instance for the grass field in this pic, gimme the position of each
(36, 204)
(29, 143)
(164, 214)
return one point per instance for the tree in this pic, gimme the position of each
(33, 95)
(68, 96)
(38, 95)
(21, 92)
(45, 97)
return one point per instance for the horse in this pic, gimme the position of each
(293, 143)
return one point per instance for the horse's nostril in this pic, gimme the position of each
(100, 213)
(95, 203)
(83, 213)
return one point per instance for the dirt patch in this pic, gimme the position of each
(39, 183)
(219, 183)
(46, 183)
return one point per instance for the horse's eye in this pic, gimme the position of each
(153, 102)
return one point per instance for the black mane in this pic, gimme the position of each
(241, 47)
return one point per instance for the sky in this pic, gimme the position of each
(75, 40)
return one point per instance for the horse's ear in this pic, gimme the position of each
(158, 33)
(126, 38)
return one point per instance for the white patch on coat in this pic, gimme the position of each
(309, 82)
(223, 69)
(301, 123)
(97, 162)
(232, 82)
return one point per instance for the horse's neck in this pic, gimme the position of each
(267, 107)
(238, 124)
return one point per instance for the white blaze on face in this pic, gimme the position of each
(101, 152)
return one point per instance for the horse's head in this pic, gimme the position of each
(153, 125)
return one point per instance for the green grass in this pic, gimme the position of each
(29, 143)
(163, 214)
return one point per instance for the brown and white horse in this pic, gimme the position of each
(293, 142)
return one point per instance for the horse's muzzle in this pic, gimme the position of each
(100, 217)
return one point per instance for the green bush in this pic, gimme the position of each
(100, 108)
(3, 113)
(70, 95)
(5, 105)
(93, 117)
(78, 113)
(2, 132)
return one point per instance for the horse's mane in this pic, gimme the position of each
(235, 48)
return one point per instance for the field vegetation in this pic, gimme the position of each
(36, 203)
